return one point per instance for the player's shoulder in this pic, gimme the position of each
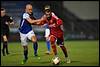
(52, 13)
(54, 16)
(25, 15)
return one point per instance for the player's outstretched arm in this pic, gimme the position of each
(41, 22)
(33, 21)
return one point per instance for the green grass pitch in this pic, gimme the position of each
(82, 53)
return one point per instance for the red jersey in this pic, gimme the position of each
(55, 26)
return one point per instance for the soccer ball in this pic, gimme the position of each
(56, 60)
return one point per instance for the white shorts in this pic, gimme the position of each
(24, 37)
(47, 32)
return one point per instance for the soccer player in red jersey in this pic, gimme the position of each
(56, 31)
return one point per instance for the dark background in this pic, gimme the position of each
(80, 18)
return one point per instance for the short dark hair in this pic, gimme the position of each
(28, 4)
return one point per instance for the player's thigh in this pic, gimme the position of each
(31, 36)
(52, 39)
(34, 38)
(23, 39)
(60, 41)
(47, 33)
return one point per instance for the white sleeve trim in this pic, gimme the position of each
(25, 15)
(54, 15)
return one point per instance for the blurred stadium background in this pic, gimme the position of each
(81, 18)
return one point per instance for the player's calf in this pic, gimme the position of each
(67, 59)
(25, 52)
(5, 46)
(35, 45)
(64, 50)
(48, 45)
(3, 52)
(52, 41)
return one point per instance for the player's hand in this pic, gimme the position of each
(5, 38)
(6, 23)
(38, 23)
(43, 18)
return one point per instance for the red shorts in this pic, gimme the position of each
(59, 40)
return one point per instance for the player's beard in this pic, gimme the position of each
(48, 17)
(31, 13)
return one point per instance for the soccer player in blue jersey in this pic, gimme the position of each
(26, 31)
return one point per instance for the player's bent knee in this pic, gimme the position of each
(24, 43)
(25, 47)
(52, 39)
(47, 39)
(34, 39)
